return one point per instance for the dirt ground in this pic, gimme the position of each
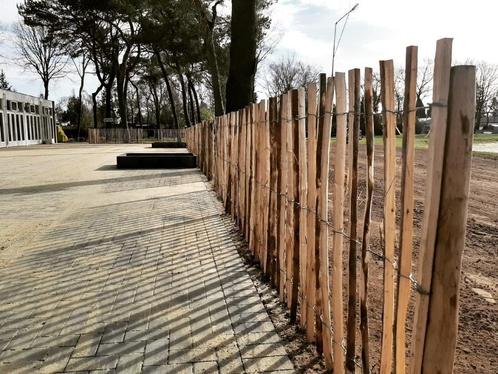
(478, 327)
(478, 324)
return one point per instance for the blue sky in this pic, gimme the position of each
(378, 29)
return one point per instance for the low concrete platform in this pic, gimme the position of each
(156, 161)
(169, 145)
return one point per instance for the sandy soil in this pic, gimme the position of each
(486, 147)
(478, 326)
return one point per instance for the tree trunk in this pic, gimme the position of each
(108, 103)
(184, 95)
(214, 71)
(139, 109)
(45, 86)
(191, 100)
(240, 85)
(196, 99)
(168, 87)
(94, 101)
(157, 109)
(80, 101)
(120, 86)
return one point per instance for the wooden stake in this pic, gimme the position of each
(318, 291)
(292, 232)
(407, 181)
(294, 185)
(234, 162)
(265, 183)
(442, 324)
(311, 218)
(353, 223)
(227, 165)
(303, 191)
(274, 198)
(282, 193)
(437, 140)
(324, 133)
(351, 85)
(250, 119)
(257, 185)
(243, 168)
(365, 359)
(387, 93)
(338, 208)
(252, 179)
(254, 173)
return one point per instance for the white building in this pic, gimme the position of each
(25, 120)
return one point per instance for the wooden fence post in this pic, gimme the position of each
(353, 223)
(349, 159)
(442, 321)
(282, 194)
(290, 237)
(261, 179)
(318, 179)
(265, 185)
(365, 359)
(303, 191)
(273, 217)
(233, 161)
(257, 185)
(406, 232)
(311, 219)
(442, 67)
(254, 150)
(250, 116)
(338, 208)
(242, 159)
(324, 134)
(294, 211)
(387, 93)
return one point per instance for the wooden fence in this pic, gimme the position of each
(270, 165)
(133, 135)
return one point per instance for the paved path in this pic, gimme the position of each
(103, 270)
(485, 147)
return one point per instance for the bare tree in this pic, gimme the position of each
(424, 85)
(486, 91)
(40, 54)
(81, 64)
(288, 73)
(208, 20)
(399, 95)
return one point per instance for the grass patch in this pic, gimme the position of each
(422, 141)
(485, 138)
(488, 155)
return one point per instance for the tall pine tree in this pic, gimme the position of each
(4, 84)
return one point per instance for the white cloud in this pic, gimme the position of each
(378, 29)
(381, 29)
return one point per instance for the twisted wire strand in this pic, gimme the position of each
(416, 286)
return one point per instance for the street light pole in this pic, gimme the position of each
(334, 49)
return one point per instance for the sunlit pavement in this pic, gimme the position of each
(105, 270)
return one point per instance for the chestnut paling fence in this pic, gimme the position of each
(270, 163)
(133, 135)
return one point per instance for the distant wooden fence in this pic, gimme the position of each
(269, 163)
(133, 135)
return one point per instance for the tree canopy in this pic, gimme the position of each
(187, 45)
